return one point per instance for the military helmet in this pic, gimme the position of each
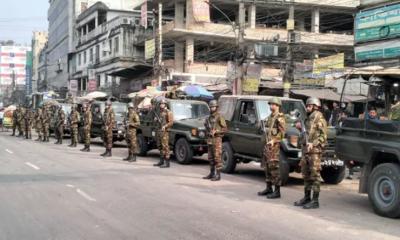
(213, 103)
(276, 101)
(163, 101)
(108, 103)
(130, 105)
(313, 101)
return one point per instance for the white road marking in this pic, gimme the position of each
(32, 166)
(9, 151)
(85, 195)
(70, 186)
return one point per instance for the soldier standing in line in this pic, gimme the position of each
(132, 122)
(316, 138)
(166, 120)
(60, 125)
(45, 123)
(74, 120)
(216, 127)
(87, 124)
(109, 122)
(28, 122)
(21, 122)
(15, 120)
(275, 132)
(38, 123)
(394, 113)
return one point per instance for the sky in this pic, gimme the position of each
(19, 18)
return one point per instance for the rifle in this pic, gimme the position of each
(304, 137)
(208, 126)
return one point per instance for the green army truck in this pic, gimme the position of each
(374, 142)
(244, 141)
(187, 137)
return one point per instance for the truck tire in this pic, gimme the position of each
(143, 148)
(80, 135)
(183, 152)
(384, 190)
(228, 159)
(284, 168)
(332, 175)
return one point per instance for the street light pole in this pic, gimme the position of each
(289, 71)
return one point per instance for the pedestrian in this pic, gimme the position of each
(316, 139)
(15, 120)
(45, 118)
(38, 122)
(333, 120)
(216, 127)
(165, 120)
(74, 122)
(60, 125)
(132, 122)
(326, 111)
(109, 123)
(275, 131)
(28, 122)
(87, 125)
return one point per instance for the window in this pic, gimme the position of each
(247, 112)
(91, 55)
(110, 45)
(116, 47)
(104, 49)
(80, 59)
(84, 57)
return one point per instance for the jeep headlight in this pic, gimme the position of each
(194, 131)
(202, 134)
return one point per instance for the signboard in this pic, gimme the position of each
(143, 14)
(149, 49)
(92, 83)
(377, 24)
(251, 81)
(201, 11)
(381, 50)
(310, 81)
(364, 3)
(328, 64)
(73, 87)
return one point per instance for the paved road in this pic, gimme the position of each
(49, 191)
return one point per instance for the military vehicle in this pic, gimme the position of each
(244, 141)
(187, 136)
(374, 143)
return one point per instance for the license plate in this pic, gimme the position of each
(332, 162)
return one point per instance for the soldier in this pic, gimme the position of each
(28, 122)
(45, 123)
(21, 121)
(109, 122)
(38, 123)
(74, 120)
(216, 127)
(394, 113)
(15, 120)
(165, 120)
(315, 139)
(132, 122)
(87, 124)
(60, 125)
(69, 99)
(275, 131)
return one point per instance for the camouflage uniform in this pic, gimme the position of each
(109, 123)
(60, 125)
(21, 122)
(217, 123)
(166, 120)
(275, 126)
(15, 120)
(74, 118)
(38, 123)
(132, 124)
(87, 125)
(394, 113)
(45, 119)
(28, 123)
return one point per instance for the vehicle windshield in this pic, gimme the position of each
(66, 108)
(189, 110)
(263, 109)
(287, 107)
(119, 107)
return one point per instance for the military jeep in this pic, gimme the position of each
(187, 137)
(244, 141)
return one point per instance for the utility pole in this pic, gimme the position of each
(160, 41)
(289, 71)
(240, 47)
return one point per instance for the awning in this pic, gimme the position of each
(327, 94)
(132, 71)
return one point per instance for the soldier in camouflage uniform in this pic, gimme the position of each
(60, 125)
(45, 119)
(165, 120)
(216, 127)
(394, 113)
(109, 123)
(15, 120)
(28, 122)
(21, 122)
(87, 125)
(132, 122)
(316, 132)
(275, 132)
(74, 121)
(38, 123)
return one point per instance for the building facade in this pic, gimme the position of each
(39, 41)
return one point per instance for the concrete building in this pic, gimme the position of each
(62, 15)
(107, 49)
(201, 40)
(39, 41)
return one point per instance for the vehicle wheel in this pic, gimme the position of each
(228, 160)
(183, 151)
(81, 138)
(143, 147)
(384, 190)
(284, 168)
(332, 175)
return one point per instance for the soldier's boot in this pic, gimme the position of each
(217, 176)
(109, 153)
(104, 154)
(60, 141)
(212, 172)
(166, 164)
(306, 199)
(314, 202)
(160, 163)
(20, 134)
(38, 139)
(13, 134)
(266, 191)
(84, 149)
(276, 193)
(57, 142)
(133, 158)
(72, 144)
(128, 158)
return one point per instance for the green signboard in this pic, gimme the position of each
(378, 51)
